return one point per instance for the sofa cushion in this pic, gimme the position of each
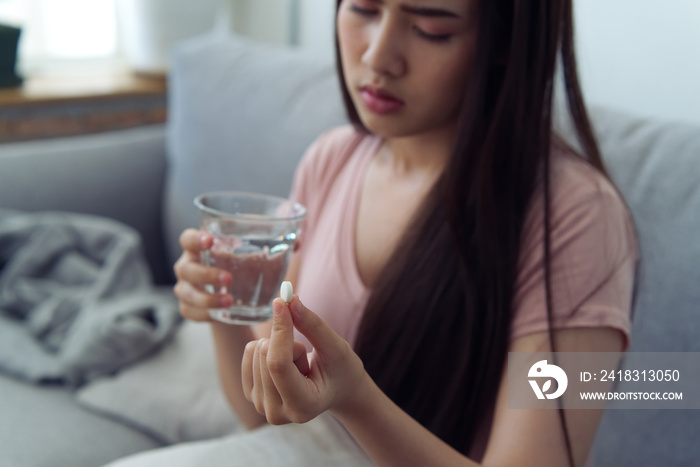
(42, 426)
(174, 395)
(656, 166)
(241, 116)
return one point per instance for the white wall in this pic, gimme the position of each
(317, 26)
(308, 23)
(641, 56)
(264, 20)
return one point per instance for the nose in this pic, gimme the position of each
(384, 53)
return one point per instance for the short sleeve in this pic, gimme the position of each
(593, 256)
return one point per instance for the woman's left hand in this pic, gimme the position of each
(287, 385)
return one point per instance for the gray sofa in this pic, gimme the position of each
(241, 115)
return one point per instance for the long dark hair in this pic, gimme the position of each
(435, 332)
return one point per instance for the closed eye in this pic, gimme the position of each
(362, 11)
(432, 37)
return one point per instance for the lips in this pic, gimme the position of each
(380, 101)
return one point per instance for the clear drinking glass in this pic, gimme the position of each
(253, 235)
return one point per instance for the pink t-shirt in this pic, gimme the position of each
(593, 247)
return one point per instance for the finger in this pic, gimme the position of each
(272, 398)
(193, 243)
(201, 275)
(282, 333)
(321, 336)
(301, 359)
(197, 298)
(247, 369)
(194, 314)
(195, 240)
(288, 380)
(257, 394)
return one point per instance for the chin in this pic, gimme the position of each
(389, 128)
(386, 126)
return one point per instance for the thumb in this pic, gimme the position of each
(320, 335)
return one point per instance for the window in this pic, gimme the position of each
(62, 32)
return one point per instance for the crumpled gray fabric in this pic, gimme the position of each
(76, 297)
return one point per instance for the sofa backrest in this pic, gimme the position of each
(656, 166)
(241, 115)
(117, 174)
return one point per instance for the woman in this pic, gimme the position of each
(447, 227)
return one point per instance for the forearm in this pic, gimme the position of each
(229, 342)
(390, 436)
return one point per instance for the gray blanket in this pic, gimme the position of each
(76, 298)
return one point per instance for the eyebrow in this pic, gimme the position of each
(426, 11)
(429, 12)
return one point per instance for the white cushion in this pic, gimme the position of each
(174, 395)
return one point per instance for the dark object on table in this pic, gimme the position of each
(9, 38)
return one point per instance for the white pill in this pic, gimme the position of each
(286, 291)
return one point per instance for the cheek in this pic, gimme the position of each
(448, 80)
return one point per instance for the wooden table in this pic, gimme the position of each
(80, 102)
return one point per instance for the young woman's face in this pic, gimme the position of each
(406, 61)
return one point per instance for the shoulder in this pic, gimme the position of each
(332, 145)
(574, 181)
(593, 253)
(331, 151)
(325, 159)
(591, 230)
(580, 196)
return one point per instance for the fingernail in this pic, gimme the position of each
(225, 279)
(204, 240)
(225, 301)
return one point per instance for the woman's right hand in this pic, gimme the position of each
(192, 276)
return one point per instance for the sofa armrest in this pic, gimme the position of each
(118, 174)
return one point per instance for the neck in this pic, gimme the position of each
(423, 154)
